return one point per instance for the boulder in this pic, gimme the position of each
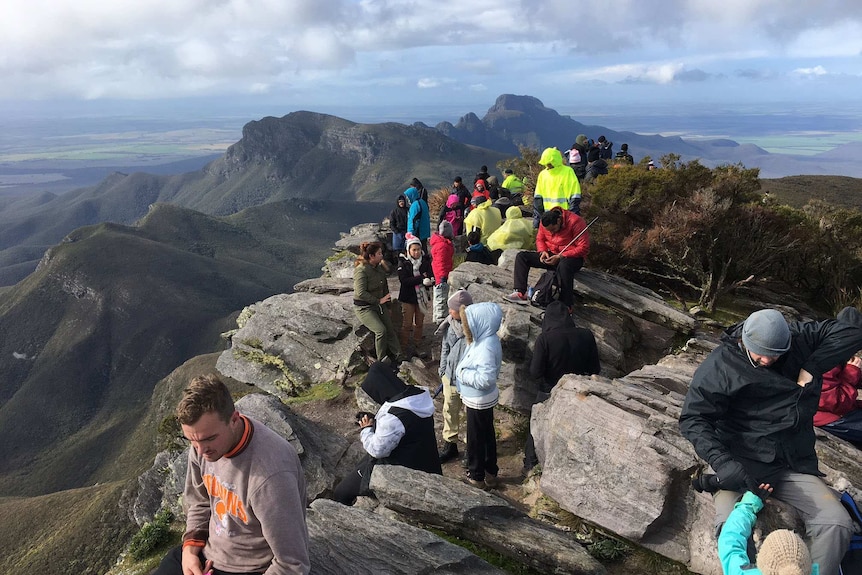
(480, 517)
(293, 340)
(371, 232)
(331, 286)
(340, 268)
(352, 541)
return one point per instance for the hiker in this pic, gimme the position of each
(578, 157)
(781, 552)
(481, 189)
(476, 380)
(244, 496)
(561, 348)
(464, 194)
(512, 182)
(451, 351)
(840, 409)
(483, 217)
(606, 148)
(623, 157)
(423, 193)
(442, 255)
(398, 223)
(749, 414)
(596, 164)
(651, 166)
(477, 251)
(418, 217)
(372, 301)
(416, 275)
(556, 186)
(493, 186)
(516, 233)
(557, 250)
(401, 433)
(482, 174)
(453, 212)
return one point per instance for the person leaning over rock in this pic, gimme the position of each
(402, 432)
(749, 413)
(451, 351)
(245, 492)
(563, 243)
(557, 186)
(476, 380)
(561, 348)
(372, 301)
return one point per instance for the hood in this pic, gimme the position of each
(480, 181)
(514, 213)
(850, 315)
(418, 401)
(412, 194)
(381, 384)
(402, 197)
(551, 156)
(452, 201)
(581, 139)
(557, 317)
(481, 320)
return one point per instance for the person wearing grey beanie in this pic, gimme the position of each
(749, 413)
(452, 348)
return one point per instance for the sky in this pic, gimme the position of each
(337, 54)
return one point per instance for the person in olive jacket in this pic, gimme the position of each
(372, 300)
(749, 413)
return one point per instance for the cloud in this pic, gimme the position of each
(811, 72)
(695, 75)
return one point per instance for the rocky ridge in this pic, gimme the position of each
(609, 445)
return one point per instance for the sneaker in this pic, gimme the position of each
(477, 483)
(449, 452)
(516, 297)
(491, 481)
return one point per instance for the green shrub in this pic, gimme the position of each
(153, 536)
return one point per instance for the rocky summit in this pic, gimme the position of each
(609, 445)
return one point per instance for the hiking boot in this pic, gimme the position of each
(517, 297)
(449, 452)
(491, 481)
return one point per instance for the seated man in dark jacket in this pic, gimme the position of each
(402, 432)
(749, 413)
(561, 348)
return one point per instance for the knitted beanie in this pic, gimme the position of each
(411, 239)
(581, 139)
(784, 553)
(459, 298)
(765, 332)
(445, 229)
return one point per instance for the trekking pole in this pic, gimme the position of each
(580, 234)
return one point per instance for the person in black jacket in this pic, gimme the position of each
(749, 413)
(398, 223)
(561, 348)
(417, 277)
(402, 432)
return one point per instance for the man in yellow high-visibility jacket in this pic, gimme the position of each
(556, 185)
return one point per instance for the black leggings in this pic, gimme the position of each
(172, 564)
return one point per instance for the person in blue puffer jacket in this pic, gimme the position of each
(418, 217)
(476, 380)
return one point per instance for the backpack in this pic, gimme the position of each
(546, 290)
(852, 561)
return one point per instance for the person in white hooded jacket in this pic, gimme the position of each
(476, 380)
(402, 432)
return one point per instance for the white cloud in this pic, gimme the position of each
(811, 72)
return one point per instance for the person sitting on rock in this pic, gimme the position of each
(749, 413)
(561, 348)
(512, 182)
(483, 217)
(556, 186)
(402, 432)
(451, 351)
(476, 381)
(477, 251)
(516, 233)
(563, 243)
(840, 409)
(782, 551)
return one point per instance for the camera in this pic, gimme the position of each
(361, 414)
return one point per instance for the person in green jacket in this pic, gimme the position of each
(372, 300)
(782, 552)
(512, 183)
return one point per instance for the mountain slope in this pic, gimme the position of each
(114, 309)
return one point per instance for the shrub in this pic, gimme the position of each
(153, 536)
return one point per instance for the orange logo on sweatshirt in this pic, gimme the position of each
(228, 502)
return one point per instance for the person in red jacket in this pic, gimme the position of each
(557, 250)
(840, 409)
(442, 256)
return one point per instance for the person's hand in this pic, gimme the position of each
(192, 561)
(366, 421)
(543, 257)
(731, 474)
(386, 299)
(804, 378)
(855, 361)
(763, 490)
(553, 260)
(428, 282)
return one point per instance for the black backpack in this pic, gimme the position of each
(546, 290)
(852, 561)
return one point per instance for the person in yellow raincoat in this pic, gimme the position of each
(556, 185)
(483, 217)
(516, 233)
